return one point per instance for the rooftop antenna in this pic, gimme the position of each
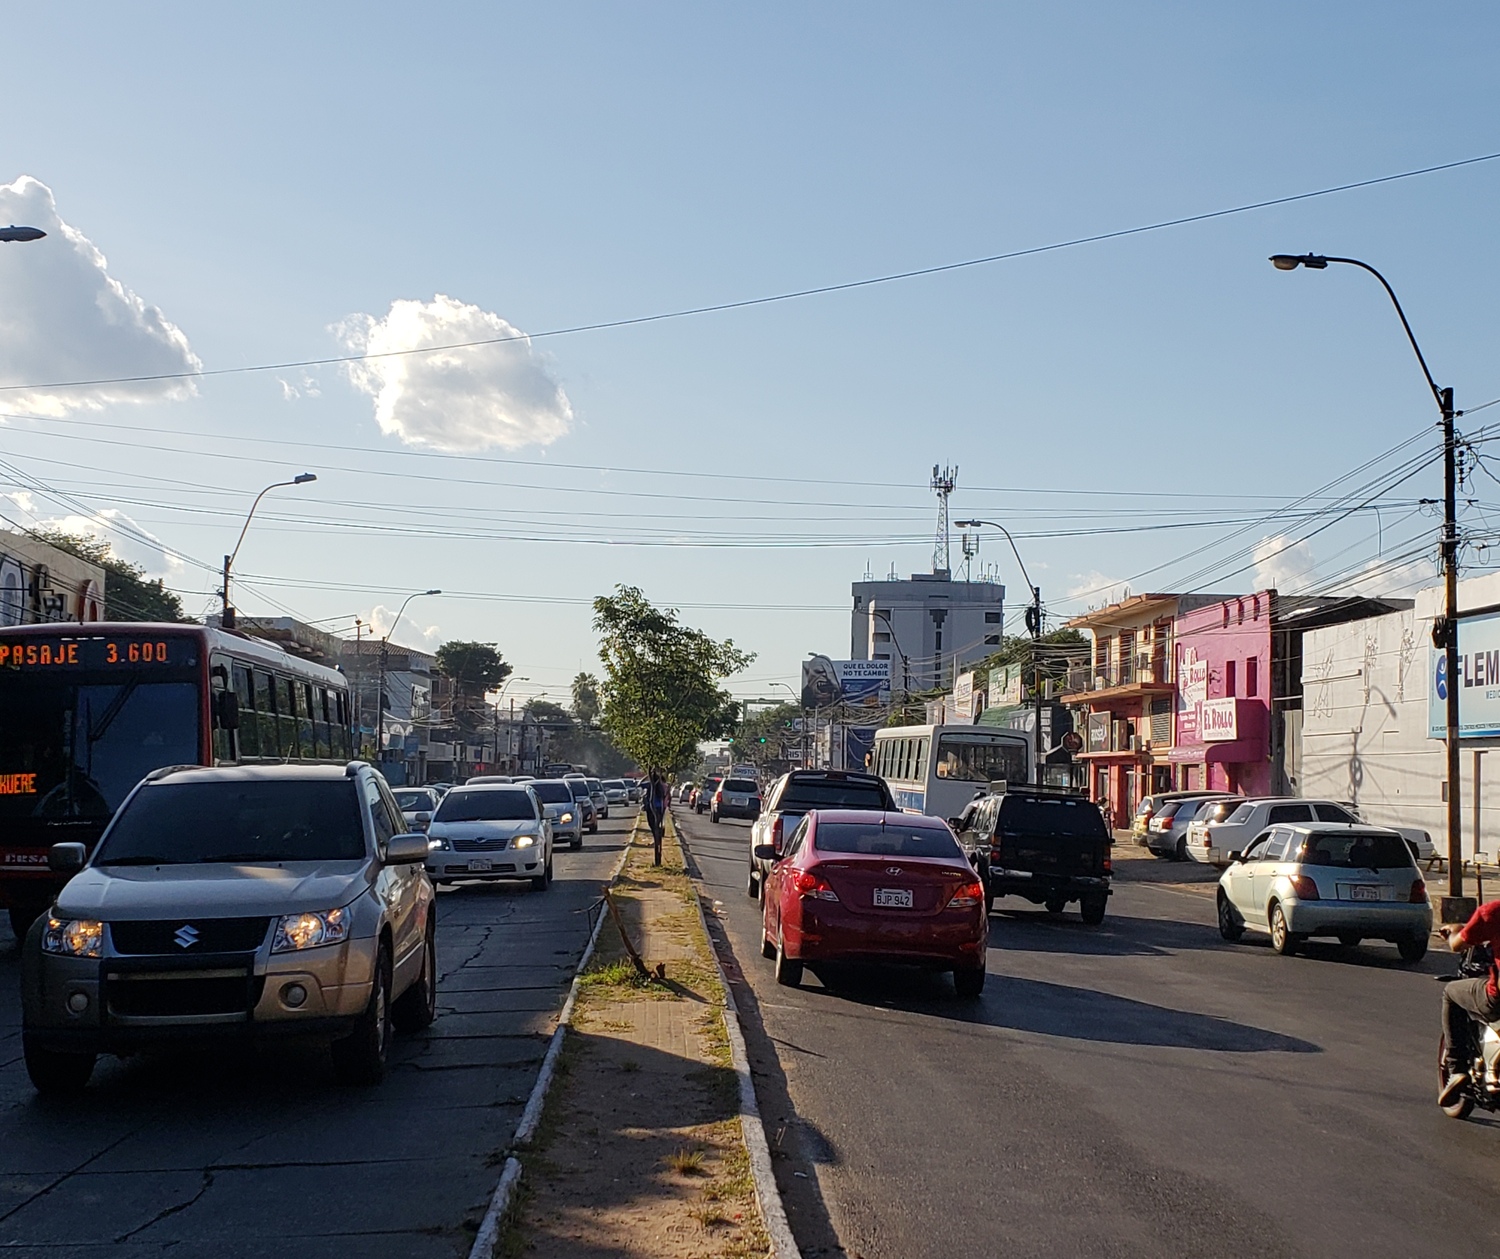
(869, 576)
(971, 549)
(942, 485)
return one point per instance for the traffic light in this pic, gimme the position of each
(762, 739)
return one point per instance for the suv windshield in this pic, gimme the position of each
(1356, 851)
(486, 805)
(552, 792)
(237, 821)
(833, 793)
(894, 840)
(1076, 819)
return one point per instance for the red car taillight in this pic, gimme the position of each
(807, 883)
(776, 832)
(1305, 888)
(967, 896)
(1418, 893)
(1109, 864)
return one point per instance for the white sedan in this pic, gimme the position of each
(490, 832)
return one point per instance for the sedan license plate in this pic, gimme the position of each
(893, 898)
(480, 865)
(1359, 893)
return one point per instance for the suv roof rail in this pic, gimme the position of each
(157, 774)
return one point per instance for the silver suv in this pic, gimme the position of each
(255, 902)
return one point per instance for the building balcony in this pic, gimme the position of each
(1143, 675)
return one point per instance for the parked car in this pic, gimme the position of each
(599, 796)
(703, 797)
(1150, 806)
(1321, 879)
(1166, 833)
(298, 890)
(561, 809)
(798, 792)
(417, 805)
(685, 793)
(1048, 845)
(1211, 840)
(616, 792)
(634, 792)
(584, 799)
(858, 885)
(491, 832)
(735, 797)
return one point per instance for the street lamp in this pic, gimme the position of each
(1455, 907)
(1033, 627)
(905, 661)
(385, 645)
(17, 234)
(226, 617)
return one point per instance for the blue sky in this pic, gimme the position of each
(265, 176)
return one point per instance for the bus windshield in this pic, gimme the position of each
(74, 749)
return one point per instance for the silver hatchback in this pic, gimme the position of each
(238, 903)
(1326, 879)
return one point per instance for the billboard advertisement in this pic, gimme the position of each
(1478, 681)
(963, 699)
(860, 683)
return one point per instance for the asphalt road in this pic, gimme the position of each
(1137, 1089)
(242, 1154)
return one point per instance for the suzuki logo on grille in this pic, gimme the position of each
(893, 869)
(186, 936)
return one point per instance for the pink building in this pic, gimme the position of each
(1223, 671)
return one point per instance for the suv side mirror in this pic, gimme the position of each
(66, 858)
(406, 850)
(761, 852)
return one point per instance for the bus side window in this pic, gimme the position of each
(907, 758)
(219, 683)
(307, 717)
(286, 703)
(249, 731)
(321, 729)
(920, 773)
(265, 714)
(341, 725)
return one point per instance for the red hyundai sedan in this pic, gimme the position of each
(859, 885)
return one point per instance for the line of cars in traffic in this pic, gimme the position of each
(271, 902)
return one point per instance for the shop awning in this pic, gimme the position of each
(1233, 752)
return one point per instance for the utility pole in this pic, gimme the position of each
(1455, 906)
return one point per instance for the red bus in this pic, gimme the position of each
(87, 711)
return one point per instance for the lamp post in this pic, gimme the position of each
(385, 651)
(1454, 907)
(227, 617)
(796, 699)
(1034, 628)
(17, 234)
(905, 661)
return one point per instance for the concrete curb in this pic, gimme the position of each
(752, 1130)
(489, 1226)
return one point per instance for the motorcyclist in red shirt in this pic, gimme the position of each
(1469, 997)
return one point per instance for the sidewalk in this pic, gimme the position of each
(640, 1152)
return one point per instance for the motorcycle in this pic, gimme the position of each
(1481, 1050)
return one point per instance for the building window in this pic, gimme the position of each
(992, 640)
(1252, 676)
(992, 618)
(881, 637)
(1228, 678)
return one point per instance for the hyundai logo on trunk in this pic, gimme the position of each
(187, 936)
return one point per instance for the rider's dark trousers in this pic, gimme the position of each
(1462, 998)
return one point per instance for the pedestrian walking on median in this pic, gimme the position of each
(656, 811)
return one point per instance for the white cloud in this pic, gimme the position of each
(1098, 588)
(1281, 564)
(456, 400)
(64, 317)
(127, 540)
(407, 632)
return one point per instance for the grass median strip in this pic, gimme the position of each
(639, 1150)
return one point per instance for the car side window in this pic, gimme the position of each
(1333, 813)
(794, 845)
(1289, 813)
(384, 830)
(1258, 846)
(1276, 849)
(536, 804)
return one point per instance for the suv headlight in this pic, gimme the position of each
(308, 931)
(74, 937)
(525, 841)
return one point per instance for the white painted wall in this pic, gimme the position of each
(1364, 722)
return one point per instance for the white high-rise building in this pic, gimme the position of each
(929, 627)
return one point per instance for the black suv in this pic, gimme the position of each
(1048, 845)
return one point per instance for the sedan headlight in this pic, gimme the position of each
(437, 841)
(80, 937)
(525, 841)
(566, 817)
(308, 931)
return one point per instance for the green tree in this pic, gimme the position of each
(586, 698)
(763, 737)
(475, 668)
(568, 740)
(129, 595)
(661, 688)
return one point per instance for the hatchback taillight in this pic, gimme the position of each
(1418, 893)
(967, 896)
(807, 883)
(1304, 887)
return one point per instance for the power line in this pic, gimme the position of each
(792, 295)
